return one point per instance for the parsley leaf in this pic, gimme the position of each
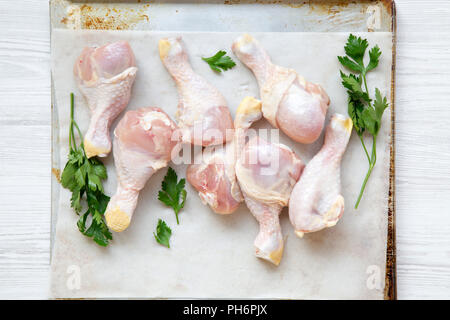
(349, 64)
(380, 104)
(75, 200)
(370, 121)
(366, 116)
(374, 55)
(353, 84)
(83, 177)
(355, 109)
(220, 61)
(98, 230)
(356, 48)
(172, 192)
(372, 116)
(67, 175)
(163, 233)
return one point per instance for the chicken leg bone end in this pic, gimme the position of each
(117, 220)
(91, 150)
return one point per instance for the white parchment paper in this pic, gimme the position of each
(212, 256)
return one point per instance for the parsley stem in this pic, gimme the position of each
(72, 105)
(79, 133)
(372, 162)
(72, 141)
(365, 85)
(364, 146)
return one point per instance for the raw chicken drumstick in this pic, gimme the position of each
(267, 173)
(316, 201)
(213, 176)
(291, 103)
(203, 114)
(105, 76)
(143, 144)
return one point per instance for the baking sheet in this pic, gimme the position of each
(224, 15)
(211, 256)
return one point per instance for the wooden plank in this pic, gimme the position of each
(24, 149)
(422, 149)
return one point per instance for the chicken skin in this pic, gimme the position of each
(203, 115)
(213, 172)
(316, 201)
(212, 175)
(105, 76)
(143, 143)
(291, 103)
(266, 173)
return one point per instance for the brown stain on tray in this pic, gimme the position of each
(57, 174)
(104, 18)
(317, 6)
(326, 8)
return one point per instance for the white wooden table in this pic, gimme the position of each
(422, 163)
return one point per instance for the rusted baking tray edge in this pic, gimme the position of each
(390, 288)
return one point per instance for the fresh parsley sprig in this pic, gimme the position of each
(163, 233)
(220, 61)
(172, 192)
(83, 176)
(366, 113)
